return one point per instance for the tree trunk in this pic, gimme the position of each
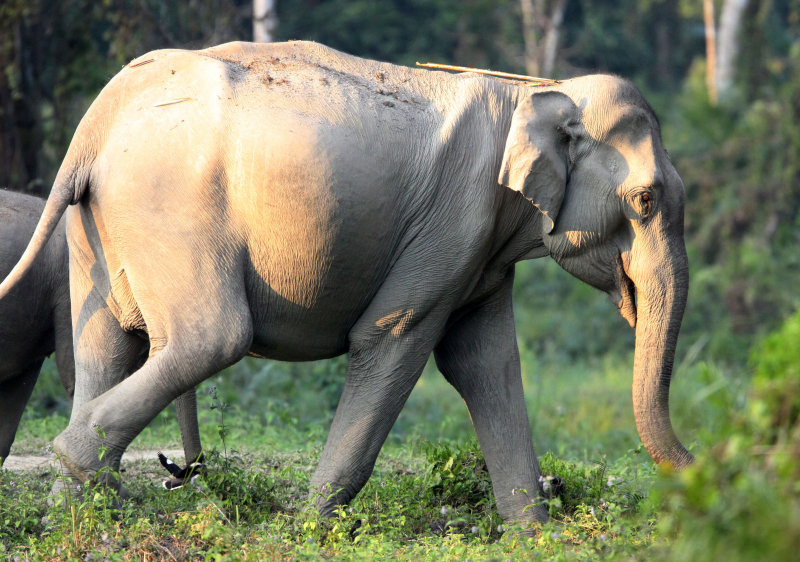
(666, 28)
(264, 20)
(530, 21)
(540, 33)
(20, 101)
(730, 24)
(711, 50)
(551, 37)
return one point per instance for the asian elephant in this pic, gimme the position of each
(36, 320)
(297, 203)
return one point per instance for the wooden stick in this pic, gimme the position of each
(171, 102)
(540, 81)
(140, 63)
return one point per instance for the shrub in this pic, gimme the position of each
(742, 500)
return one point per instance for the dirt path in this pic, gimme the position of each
(39, 462)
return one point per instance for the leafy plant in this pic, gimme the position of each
(457, 475)
(244, 492)
(741, 499)
(21, 509)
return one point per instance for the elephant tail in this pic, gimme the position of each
(68, 188)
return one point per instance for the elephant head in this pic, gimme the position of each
(588, 155)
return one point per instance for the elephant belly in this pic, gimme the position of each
(19, 350)
(305, 312)
(26, 330)
(320, 242)
(299, 340)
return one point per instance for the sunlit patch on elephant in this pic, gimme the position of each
(397, 321)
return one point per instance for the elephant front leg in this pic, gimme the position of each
(379, 380)
(479, 357)
(389, 346)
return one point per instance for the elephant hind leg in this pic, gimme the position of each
(185, 350)
(186, 410)
(14, 395)
(65, 360)
(104, 355)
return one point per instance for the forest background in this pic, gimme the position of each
(724, 78)
(739, 157)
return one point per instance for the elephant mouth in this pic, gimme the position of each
(624, 296)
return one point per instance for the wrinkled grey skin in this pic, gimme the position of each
(293, 202)
(35, 317)
(35, 321)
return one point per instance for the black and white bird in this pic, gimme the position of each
(180, 475)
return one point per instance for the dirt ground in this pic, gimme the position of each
(38, 462)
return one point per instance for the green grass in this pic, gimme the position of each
(429, 497)
(422, 503)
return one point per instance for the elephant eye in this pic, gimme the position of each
(646, 204)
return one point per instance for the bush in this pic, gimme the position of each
(775, 393)
(741, 501)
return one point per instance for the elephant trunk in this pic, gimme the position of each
(660, 304)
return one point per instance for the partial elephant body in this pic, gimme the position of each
(293, 202)
(35, 321)
(306, 175)
(35, 318)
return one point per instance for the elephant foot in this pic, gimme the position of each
(328, 497)
(81, 458)
(526, 514)
(523, 515)
(533, 517)
(65, 487)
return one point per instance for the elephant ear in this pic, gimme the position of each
(535, 157)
